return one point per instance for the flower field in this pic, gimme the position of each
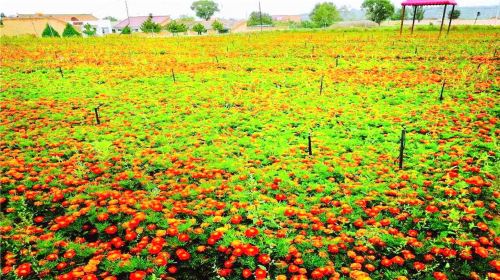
(188, 158)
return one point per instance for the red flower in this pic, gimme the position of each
(182, 254)
(137, 275)
(419, 266)
(23, 270)
(251, 232)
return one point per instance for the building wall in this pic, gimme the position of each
(29, 26)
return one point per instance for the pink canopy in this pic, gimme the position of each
(416, 3)
(428, 2)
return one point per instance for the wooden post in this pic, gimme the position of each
(414, 15)
(96, 110)
(442, 20)
(402, 20)
(451, 16)
(309, 144)
(321, 85)
(337, 61)
(61, 72)
(442, 91)
(402, 147)
(173, 75)
(416, 50)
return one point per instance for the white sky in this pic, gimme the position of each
(175, 8)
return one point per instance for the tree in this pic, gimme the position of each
(307, 24)
(455, 15)
(218, 26)
(126, 30)
(419, 13)
(199, 28)
(110, 18)
(49, 31)
(2, 15)
(325, 14)
(378, 10)
(397, 14)
(205, 9)
(254, 19)
(174, 27)
(149, 26)
(89, 30)
(70, 31)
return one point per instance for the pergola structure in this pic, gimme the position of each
(417, 3)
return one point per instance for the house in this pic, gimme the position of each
(15, 26)
(292, 18)
(135, 23)
(34, 24)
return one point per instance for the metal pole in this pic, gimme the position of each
(321, 85)
(414, 14)
(96, 110)
(442, 91)
(442, 20)
(402, 20)
(260, 16)
(451, 16)
(128, 16)
(402, 147)
(309, 144)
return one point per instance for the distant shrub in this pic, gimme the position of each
(89, 30)
(217, 26)
(256, 18)
(174, 27)
(126, 30)
(199, 28)
(70, 31)
(454, 15)
(49, 31)
(149, 26)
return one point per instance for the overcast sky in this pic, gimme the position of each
(175, 8)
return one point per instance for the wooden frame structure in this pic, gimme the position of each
(417, 3)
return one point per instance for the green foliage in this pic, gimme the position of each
(456, 14)
(419, 13)
(217, 26)
(110, 18)
(398, 13)
(254, 19)
(89, 30)
(70, 31)
(199, 28)
(325, 14)
(307, 24)
(126, 30)
(49, 31)
(205, 9)
(175, 27)
(378, 10)
(149, 26)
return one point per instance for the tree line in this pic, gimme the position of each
(323, 15)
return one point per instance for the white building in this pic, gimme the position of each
(102, 26)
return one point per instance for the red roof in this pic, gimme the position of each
(428, 2)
